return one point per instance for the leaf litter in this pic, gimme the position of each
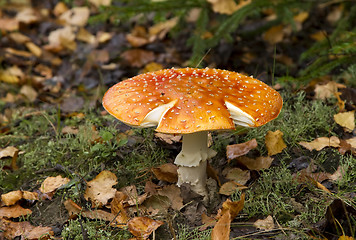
(122, 208)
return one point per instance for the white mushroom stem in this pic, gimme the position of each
(192, 161)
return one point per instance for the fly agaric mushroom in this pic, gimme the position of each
(191, 102)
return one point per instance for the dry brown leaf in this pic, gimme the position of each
(274, 35)
(60, 8)
(237, 150)
(174, 195)
(29, 92)
(103, 37)
(11, 198)
(335, 14)
(24, 230)
(51, 184)
(230, 187)
(159, 30)
(328, 90)
(100, 190)
(99, 3)
(166, 172)
(318, 36)
(117, 207)
(72, 207)
(60, 39)
(318, 184)
(34, 49)
(11, 75)
(77, 16)
(264, 224)
(138, 57)
(238, 175)
(19, 38)
(227, 6)
(115, 220)
(9, 24)
(255, 164)
(234, 208)
(274, 142)
(133, 198)
(346, 120)
(14, 211)
(142, 227)
(85, 36)
(221, 230)
(28, 16)
(343, 237)
(152, 67)
(30, 195)
(9, 151)
(321, 143)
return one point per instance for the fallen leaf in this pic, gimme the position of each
(264, 224)
(230, 187)
(138, 57)
(9, 151)
(28, 16)
(100, 190)
(318, 36)
(99, 3)
(9, 24)
(14, 211)
(133, 198)
(62, 38)
(72, 207)
(335, 14)
(34, 49)
(159, 30)
(237, 150)
(24, 230)
(234, 208)
(321, 143)
(274, 35)
(11, 75)
(29, 92)
(30, 195)
(117, 207)
(166, 172)
(238, 175)
(142, 227)
(221, 230)
(60, 8)
(343, 237)
(318, 184)
(227, 6)
(77, 16)
(115, 220)
(328, 90)
(346, 120)
(173, 194)
(85, 36)
(274, 142)
(255, 164)
(51, 184)
(11, 198)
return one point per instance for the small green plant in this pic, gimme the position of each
(187, 233)
(80, 230)
(271, 194)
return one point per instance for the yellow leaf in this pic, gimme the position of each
(346, 120)
(274, 142)
(142, 227)
(100, 190)
(264, 224)
(274, 35)
(50, 184)
(227, 6)
(321, 143)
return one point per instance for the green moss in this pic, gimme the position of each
(79, 229)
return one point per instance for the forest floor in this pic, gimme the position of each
(69, 170)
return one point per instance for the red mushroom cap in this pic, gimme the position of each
(196, 100)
